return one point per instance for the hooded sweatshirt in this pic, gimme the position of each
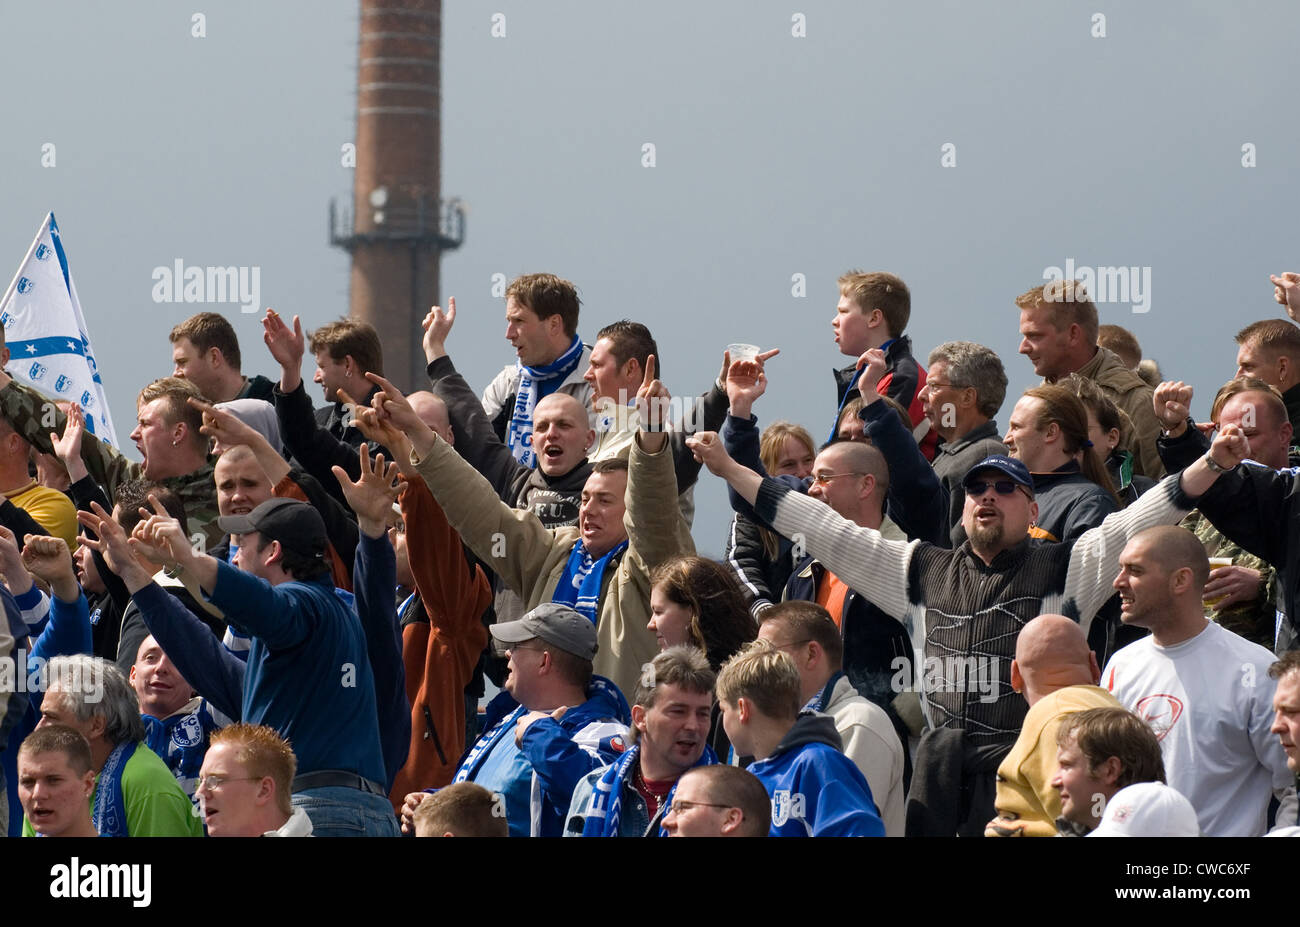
(816, 791)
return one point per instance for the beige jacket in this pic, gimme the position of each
(530, 558)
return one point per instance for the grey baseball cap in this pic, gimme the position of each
(558, 625)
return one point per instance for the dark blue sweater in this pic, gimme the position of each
(308, 675)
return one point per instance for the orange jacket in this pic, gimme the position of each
(440, 655)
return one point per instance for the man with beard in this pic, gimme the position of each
(965, 607)
(671, 715)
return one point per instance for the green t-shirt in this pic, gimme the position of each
(156, 805)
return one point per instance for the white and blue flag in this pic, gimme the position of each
(49, 347)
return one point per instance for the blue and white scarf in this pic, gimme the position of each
(519, 433)
(606, 807)
(485, 744)
(579, 585)
(109, 813)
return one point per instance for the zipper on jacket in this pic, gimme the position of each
(431, 733)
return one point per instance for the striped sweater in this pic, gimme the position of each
(963, 615)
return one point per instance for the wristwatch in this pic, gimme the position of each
(1210, 462)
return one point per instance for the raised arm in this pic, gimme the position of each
(512, 541)
(918, 502)
(198, 654)
(375, 582)
(68, 631)
(476, 439)
(872, 565)
(227, 430)
(1179, 443)
(315, 449)
(33, 416)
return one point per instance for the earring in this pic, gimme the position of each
(174, 443)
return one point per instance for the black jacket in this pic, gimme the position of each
(318, 439)
(1257, 507)
(1069, 503)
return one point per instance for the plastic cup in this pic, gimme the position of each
(743, 352)
(1215, 563)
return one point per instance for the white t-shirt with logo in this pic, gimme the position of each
(1210, 702)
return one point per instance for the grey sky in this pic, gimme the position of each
(775, 155)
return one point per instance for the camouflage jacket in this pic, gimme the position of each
(1253, 620)
(35, 417)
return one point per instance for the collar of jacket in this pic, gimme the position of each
(1003, 562)
(896, 348)
(610, 416)
(809, 728)
(571, 481)
(1062, 474)
(979, 433)
(1108, 371)
(822, 702)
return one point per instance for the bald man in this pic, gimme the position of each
(1057, 674)
(1205, 691)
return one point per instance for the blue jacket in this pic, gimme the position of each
(307, 676)
(816, 791)
(588, 736)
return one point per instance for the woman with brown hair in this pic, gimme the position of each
(1111, 432)
(696, 602)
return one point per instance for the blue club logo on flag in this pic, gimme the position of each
(43, 252)
(25, 285)
(38, 371)
(63, 383)
(87, 400)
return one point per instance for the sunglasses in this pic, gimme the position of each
(1001, 487)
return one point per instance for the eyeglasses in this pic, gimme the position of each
(212, 783)
(933, 385)
(825, 478)
(806, 640)
(681, 806)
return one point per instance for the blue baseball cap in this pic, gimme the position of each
(1009, 466)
